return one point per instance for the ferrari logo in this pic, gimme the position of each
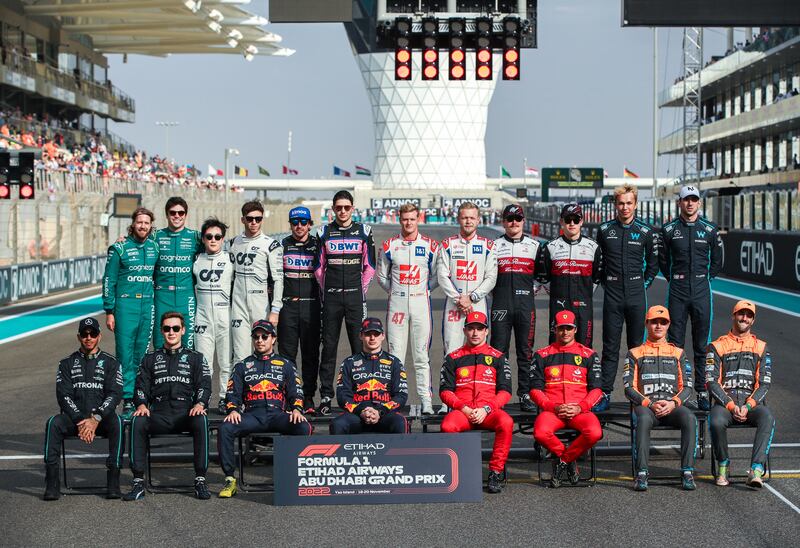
(578, 360)
(488, 360)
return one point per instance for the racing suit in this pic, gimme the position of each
(128, 295)
(739, 373)
(658, 371)
(344, 269)
(465, 267)
(257, 287)
(513, 306)
(300, 315)
(174, 291)
(371, 380)
(690, 256)
(86, 385)
(566, 374)
(213, 284)
(630, 263)
(474, 377)
(170, 383)
(407, 271)
(268, 388)
(572, 267)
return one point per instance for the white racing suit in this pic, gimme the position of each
(465, 267)
(407, 271)
(257, 287)
(213, 284)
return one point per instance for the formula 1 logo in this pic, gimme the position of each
(409, 274)
(466, 271)
(326, 450)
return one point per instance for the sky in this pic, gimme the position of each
(585, 98)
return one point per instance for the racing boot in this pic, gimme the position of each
(573, 474)
(324, 407)
(443, 410)
(496, 482)
(308, 406)
(559, 470)
(640, 483)
(722, 475)
(112, 483)
(230, 488)
(603, 404)
(526, 404)
(427, 408)
(52, 481)
(127, 410)
(703, 403)
(137, 490)
(201, 489)
(687, 481)
(755, 478)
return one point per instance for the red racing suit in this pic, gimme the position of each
(476, 377)
(566, 374)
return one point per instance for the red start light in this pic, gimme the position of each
(512, 71)
(431, 56)
(403, 56)
(26, 191)
(512, 55)
(457, 56)
(484, 55)
(457, 72)
(484, 72)
(430, 72)
(4, 192)
(403, 72)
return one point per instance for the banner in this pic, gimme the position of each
(392, 203)
(768, 258)
(378, 469)
(36, 279)
(484, 203)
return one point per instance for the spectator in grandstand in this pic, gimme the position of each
(565, 385)
(739, 375)
(174, 285)
(658, 381)
(213, 281)
(264, 395)
(88, 389)
(475, 383)
(371, 387)
(128, 297)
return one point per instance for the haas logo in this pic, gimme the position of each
(245, 259)
(210, 275)
(466, 271)
(409, 274)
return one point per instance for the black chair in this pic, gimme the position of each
(169, 440)
(93, 489)
(248, 444)
(567, 435)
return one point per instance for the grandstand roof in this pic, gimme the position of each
(163, 27)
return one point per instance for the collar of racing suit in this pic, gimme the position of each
(372, 355)
(514, 240)
(572, 242)
(480, 349)
(663, 342)
(172, 351)
(566, 347)
(739, 339)
(89, 356)
(263, 357)
(463, 239)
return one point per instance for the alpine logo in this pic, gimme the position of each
(466, 270)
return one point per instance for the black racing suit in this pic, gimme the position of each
(690, 256)
(268, 388)
(371, 380)
(630, 263)
(86, 385)
(344, 269)
(170, 383)
(513, 307)
(572, 267)
(300, 315)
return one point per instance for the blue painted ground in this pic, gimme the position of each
(49, 316)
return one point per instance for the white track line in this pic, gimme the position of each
(14, 316)
(48, 327)
(775, 492)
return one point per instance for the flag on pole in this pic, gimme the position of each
(288, 171)
(360, 170)
(240, 171)
(339, 172)
(213, 171)
(627, 173)
(531, 172)
(605, 173)
(262, 171)
(504, 172)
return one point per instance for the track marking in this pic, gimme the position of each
(46, 308)
(47, 327)
(784, 499)
(759, 303)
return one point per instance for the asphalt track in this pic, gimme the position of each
(607, 513)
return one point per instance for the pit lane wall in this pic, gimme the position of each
(41, 278)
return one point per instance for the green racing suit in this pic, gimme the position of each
(174, 284)
(128, 295)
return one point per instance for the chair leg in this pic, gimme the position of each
(64, 463)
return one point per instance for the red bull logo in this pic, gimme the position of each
(372, 385)
(264, 386)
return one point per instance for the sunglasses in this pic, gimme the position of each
(342, 208)
(88, 335)
(173, 328)
(216, 237)
(251, 219)
(176, 213)
(514, 219)
(261, 336)
(572, 220)
(302, 222)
